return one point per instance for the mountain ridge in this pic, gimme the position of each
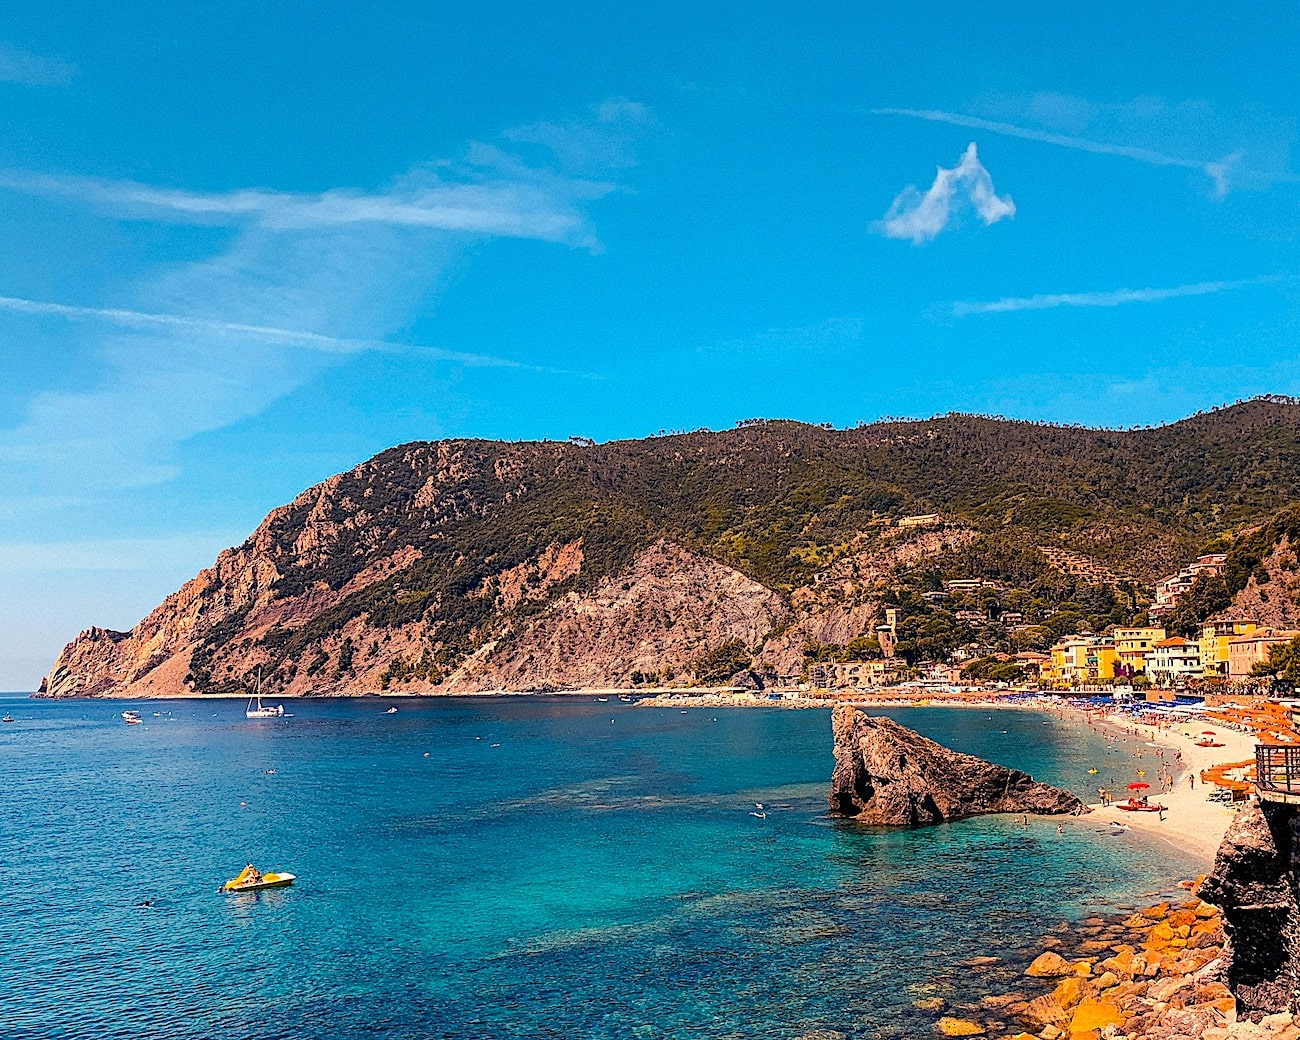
(460, 565)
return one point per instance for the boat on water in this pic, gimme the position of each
(255, 708)
(250, 879)
(7, 718)
(132, 718)
(391, 711)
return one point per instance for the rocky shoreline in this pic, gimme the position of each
(1156, 973)
(1176, 970)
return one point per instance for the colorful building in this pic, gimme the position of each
(838, 674)
(1080, 659)
(1215, 637)
(1101, 661)
(1244, 652)
(1131, 648)
(1069, 660)
(1171, 589)
(1171, 662)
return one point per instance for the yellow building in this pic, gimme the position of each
(1079, 659)
(1216, 635)
(1069, 660)
(1131, 647)
(1100, 662)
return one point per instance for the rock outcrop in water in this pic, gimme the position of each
(1255, 881)
(889, 775)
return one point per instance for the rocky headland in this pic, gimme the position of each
(707, 558)
(888, 775)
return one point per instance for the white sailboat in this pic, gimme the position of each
(270, 711)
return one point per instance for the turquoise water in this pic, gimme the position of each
(554, 867)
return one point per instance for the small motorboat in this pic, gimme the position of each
(132, 718)
(391, 711)
(7, 718)
(250, 879)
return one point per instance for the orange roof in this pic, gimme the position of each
(1175, 641)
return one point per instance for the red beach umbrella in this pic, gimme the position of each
(1207, 733)
(1138, 787)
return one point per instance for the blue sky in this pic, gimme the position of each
(247, 248)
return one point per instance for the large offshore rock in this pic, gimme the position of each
(1254, 883)
(890, 775)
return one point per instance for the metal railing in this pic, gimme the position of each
(1277, 768)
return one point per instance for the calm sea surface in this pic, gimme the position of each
(510, 868)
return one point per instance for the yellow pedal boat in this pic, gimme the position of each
(250, 879)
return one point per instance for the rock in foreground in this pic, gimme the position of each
(1254, 881)
(889, 775)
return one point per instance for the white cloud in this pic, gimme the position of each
(1108, 298)
(32, 70)
(921, 217)
(156, 385)
(538, 205)
(602, 140)
(305, 282)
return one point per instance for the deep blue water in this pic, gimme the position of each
(553, 868)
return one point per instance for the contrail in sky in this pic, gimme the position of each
(1216, 171)
(1110, 298)
(270, 333)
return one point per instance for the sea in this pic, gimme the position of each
(536, 867)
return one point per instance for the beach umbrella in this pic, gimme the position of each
(1207, 733)
(1138, 787)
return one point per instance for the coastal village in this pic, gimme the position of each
(1226, 650)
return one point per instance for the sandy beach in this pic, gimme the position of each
(1191, 821)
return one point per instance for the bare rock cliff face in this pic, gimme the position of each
(1275, 603)
(889, 775)
(1254, 882)
(656, 615)
(152, 659)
